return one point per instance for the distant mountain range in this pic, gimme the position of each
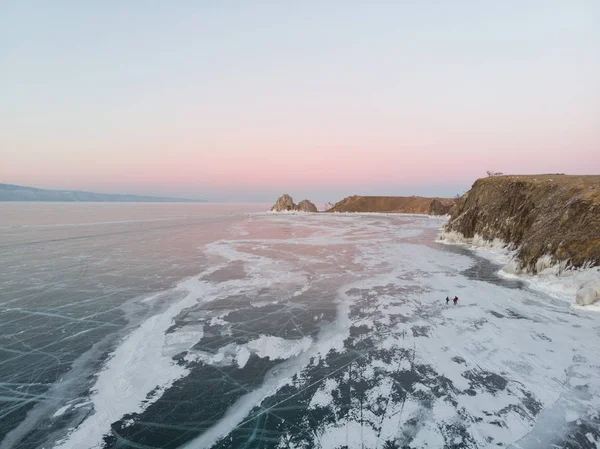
(10, 192)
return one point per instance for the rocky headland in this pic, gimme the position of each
(551, 221)
(382, 204)
(395, 204)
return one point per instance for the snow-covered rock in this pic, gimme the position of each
(589, 293)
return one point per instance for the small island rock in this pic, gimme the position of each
(306, 206)
(284, 203)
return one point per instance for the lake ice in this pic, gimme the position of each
(203, 326)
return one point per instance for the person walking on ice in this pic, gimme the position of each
(447, 300)
(455, 300)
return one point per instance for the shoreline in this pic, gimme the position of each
(554, 280)
(368, 214)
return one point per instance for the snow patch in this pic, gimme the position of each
(588, 293)
(323, 397)
(266, 346)
(571, 415)
(61, 411)
(278, 348)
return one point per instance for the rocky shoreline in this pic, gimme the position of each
(551, 222)
(366, 204)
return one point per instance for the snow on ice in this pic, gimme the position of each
(390, 365)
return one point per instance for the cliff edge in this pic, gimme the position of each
(394, 204)
(548, 219)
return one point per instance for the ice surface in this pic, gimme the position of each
(483, 370)
(135, 369)
(329, 330)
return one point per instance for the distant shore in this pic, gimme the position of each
(11, 192)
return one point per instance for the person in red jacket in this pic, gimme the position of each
(455, 300)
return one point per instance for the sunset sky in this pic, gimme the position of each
(244, 100)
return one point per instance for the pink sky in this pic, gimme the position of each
(247, 103)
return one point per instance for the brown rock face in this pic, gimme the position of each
(394, 204)
(306, 206)
(440, 206)
(554, 215)
(284, 203)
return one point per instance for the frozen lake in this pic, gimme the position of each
(217, 326)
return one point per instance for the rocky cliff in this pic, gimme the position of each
(285, 203)
(542, 215)
(549, 219)
(394, 204)
(441, 206)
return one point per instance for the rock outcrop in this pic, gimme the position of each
(283, 204)
(549, 219)
(306, 206)
(440, 206)
(394, 204)
(286, 204)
